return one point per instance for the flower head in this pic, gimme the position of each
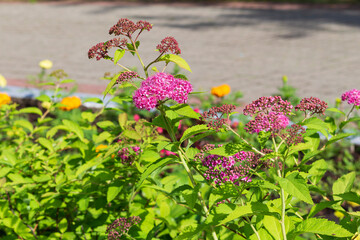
(121, 226)
(4, 99)
(352, 97)
(161, 87)
(312, 105)
(126, 76)
(127, 27)
(128, 155)
(101, 50)
(2, 81)
(70, 103)
(45, 64)
(215, 116)
(169, 44)
(221, 91)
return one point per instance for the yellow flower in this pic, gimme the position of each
(339, 215)
(221, 90)
(4, 99)
(353, 204)
(2, 81)
(46, 64)
(70, 103)
(101, 146)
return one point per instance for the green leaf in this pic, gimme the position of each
(131, 134)
(25, 124)
(75, 128)
(320, 206)
(41, 178)
(185, 110)
(230, 149)
(46, 144)
(34, 110)
(102, 137)
(67, 81)
(343, 184)
(122, 119)
(181, 76)
(317, 124)
(196, 138)
(43, 98)
(111, 84)
(155, 165)
(119, 53)
(154, 69)
(350, 197)
(190, 195)
(318, 170)
(337, 137)
(63, 225)
(105, 124)
(131, 47)
(321, 226)
(94, 99)
(335, 110)
(273, 225)
(353, 119)
(296, 186)
(192, 131)
(113, 190)
(175, 59)
(263, 137)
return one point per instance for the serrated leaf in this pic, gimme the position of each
(320, 206)
(296, 186)
(317, 124)
(318, 170)
(43, 98)
(196, 138)
(230, 149)
(155, 165)
(111, 84)
(175, 59)
(34, 110)
(46, 143)
(67, 81)
(75, 128)
(102, 137)
(185, 110)
(122, 119)
(337, 137)
(273, 225)
(193, 130)
(321, 226)
(119, 53)
(343, 184)
(190, 196)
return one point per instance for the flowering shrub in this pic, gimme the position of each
(70, 103)
(221, 91)
(4, 99)
(130, 178)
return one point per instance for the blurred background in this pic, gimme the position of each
(249, 45)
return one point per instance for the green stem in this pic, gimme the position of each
(138, 55)
(282, 192)
(347, 116)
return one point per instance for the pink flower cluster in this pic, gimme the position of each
(101, 50)
(161, 87)
(169, 44)
(125, 76)
(127, 27)
(127, 156)
(312, 105)
(352, 97)
(121, 226)
(215, 116)
(233, 169)
(270, 114)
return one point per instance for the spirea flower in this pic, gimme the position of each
(352, 97)
(312, 106)
(4, 99)
(161, 87)
(128, 155)
(215, 116)
(293, 135)
(120, 226)
(126, 76)
(221, 91)
(70, 103)
(267, 105)
(101, 50)
(233, 169)
(127, 27)
(169, 44)
(270, 115)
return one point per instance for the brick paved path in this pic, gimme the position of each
(248, 47)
